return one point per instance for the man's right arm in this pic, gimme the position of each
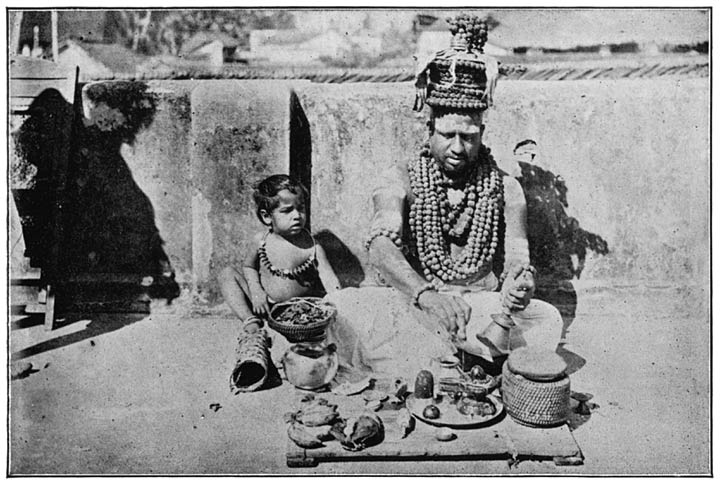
(388, 203)
(394, 267)
(389, 260)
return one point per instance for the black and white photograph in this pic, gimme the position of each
(363, 241)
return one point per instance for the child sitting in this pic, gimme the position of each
(282, 262)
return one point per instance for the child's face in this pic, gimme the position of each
(289, 217)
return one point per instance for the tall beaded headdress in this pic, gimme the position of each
(461, 77)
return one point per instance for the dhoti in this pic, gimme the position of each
(378, 331)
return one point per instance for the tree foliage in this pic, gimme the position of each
(395, 44)
(165, 31)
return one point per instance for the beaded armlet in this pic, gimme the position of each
(378, 232)
(421, 290)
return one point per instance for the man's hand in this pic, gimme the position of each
(452, 311)
(516, 300)
(518, 288)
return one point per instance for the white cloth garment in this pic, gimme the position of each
(379, 331)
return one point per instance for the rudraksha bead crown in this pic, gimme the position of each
(462, 77)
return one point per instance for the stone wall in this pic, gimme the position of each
(634, 156)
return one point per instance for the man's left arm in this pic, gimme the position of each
(517, 253)
(516, 244)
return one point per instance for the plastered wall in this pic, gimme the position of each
(634, 155)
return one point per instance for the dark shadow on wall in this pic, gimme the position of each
(112, 253)
(558, 245)
(344, 263)
(42, 142)
(300, 148)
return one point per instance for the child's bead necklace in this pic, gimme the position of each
(296, 273)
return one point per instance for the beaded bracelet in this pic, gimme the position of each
(378, 232)
(501, 279)
(421, 290)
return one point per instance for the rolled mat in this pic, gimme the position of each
(253, 362)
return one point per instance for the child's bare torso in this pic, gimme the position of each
(284, 255)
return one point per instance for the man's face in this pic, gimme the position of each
(455, 142)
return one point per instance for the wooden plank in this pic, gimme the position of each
(24, 309)
(20, 106)
(15, 24)
(22, 67)
(29, 77)
(50, 309)
(484, 443)
(506, 440)
(106, 278)
(546, 443)
(23, 89)
(24, 294)
(33, 87)
(29, 280)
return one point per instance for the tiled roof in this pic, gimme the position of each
(203, 38)
(113, 56)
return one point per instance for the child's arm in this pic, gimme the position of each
(256, 292)
(328, 278)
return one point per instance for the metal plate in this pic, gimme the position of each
(450, 416)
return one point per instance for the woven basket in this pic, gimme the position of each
(301, 333)
(535, 403)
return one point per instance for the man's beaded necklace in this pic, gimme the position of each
(435, 221)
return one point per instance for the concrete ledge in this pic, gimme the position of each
(633, 153)
(240, 133)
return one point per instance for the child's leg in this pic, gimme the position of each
(234, 289)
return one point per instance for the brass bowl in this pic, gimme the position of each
(475, 407)
(479, 388)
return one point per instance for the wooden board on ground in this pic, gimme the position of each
(506, 440)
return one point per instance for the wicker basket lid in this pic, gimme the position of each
(536, 364)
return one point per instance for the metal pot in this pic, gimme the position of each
(310, 365)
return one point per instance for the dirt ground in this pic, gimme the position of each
(116, 394)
